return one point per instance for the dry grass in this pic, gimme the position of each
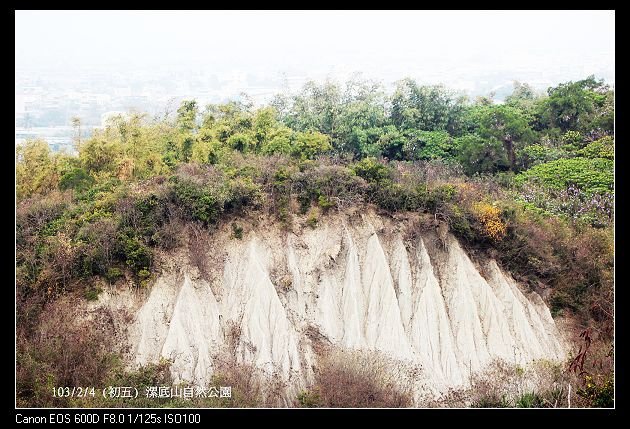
(543, 384)
(350, 379)
(251, 386)
(504, 385)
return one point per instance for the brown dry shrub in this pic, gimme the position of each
(198, 239)
(67, 349)
(319, 342)
(169, 234)
(576, 262)
(332, 185)
(200, 174)
(252, 387)
(593, 253)
(32, 217)
(352, 379)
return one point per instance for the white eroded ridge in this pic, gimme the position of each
(361, 289)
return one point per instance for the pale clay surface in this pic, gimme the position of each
(361, 288)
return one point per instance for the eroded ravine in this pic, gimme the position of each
(362, 285)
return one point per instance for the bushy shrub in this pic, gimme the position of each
(312, 219)
(572, 138)
(251, 386)
(396, 197)
(481, 155)
(100, 248)
(530, 400)
(372, 170)
(242, 142)
(279, 144)
(438, 196)
(149, 375)
(308, 399)
(169, 234)
(571, 202)
(311, 143)
(490, 217)
(602, 148)
(347, 379)
(537, 154)
(196, 201)
(325, 203)
(237, 231)
(91, 293)
(77, 178)
(329, 185)
(281, 187)
(542, 249)
(62, 263)
(68, 351)
(494, 401)
(113, 274)
(599, 394)
(136, 255)
(590, 175)
(240, 193)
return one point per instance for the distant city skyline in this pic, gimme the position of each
(86, 63)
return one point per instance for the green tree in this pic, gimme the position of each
(280, 142)
(264, 124)
(427, 108)
(98, 156)
(428, 145)
(205, 151)
(539, 153)
(391, 143)
(507, 125)
(34, 169)
(316, 108)
(311, 143)
(227, 119)
(76, 178)
(76, 125)
(578, 106)
(523, 97)
(361, 117)
(243, 142)
(187, 125)
(480, 155)
(364, 141)
(187, 115)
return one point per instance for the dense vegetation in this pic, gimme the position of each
(529, 180)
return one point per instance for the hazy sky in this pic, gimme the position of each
(382, 44)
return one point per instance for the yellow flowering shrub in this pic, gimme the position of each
(490, 217)
(599, 394)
